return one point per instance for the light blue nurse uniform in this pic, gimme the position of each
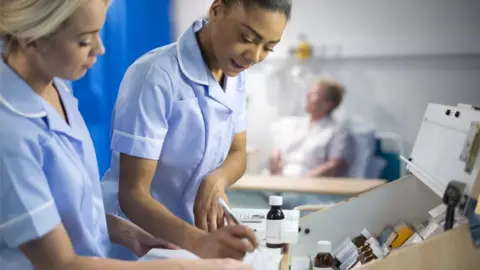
(170, 108)
(48, 174)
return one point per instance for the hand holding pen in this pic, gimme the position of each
(229, 215)
(228, 212)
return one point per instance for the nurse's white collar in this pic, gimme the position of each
(18, 97)
(190, 56)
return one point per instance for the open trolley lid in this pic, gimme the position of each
(447, 147)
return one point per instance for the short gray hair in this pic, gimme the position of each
(334, 90)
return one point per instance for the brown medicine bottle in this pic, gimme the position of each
(275, 219)
(371, 253)
(324, 258)
(360, 240)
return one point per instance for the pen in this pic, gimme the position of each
(227, 210)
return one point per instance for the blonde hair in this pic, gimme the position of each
(334, 91)
(33, 19)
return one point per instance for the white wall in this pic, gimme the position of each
(375, 26)
(186, 11)
(395, 57)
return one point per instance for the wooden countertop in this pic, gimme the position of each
(332, 185)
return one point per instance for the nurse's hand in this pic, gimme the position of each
(209, 216)
(232, 241)
(125, 233)
(142, 242)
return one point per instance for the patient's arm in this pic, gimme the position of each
(276, 163)
(331, 168)
(340, 151)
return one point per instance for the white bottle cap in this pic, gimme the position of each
(275, 200)
(324, 247)
(366, 233)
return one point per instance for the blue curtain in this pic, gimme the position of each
(132, 28)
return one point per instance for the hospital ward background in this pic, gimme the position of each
(401, 136)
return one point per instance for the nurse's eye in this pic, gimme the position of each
(84, 43)
(247, 39)
(269, 49)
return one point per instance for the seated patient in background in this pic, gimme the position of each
(319, 146)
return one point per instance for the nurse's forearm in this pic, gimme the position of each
(233, 168)
(83, 263)
(54, 251)
(113, 228)
(121, 231)
(142, 209)
(236, 162)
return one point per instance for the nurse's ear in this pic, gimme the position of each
(33, 46)
(217, 11)
(27, 45)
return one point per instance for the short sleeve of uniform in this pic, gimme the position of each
(140, 120)
(241, 121)
(27, 208)
(341, 146)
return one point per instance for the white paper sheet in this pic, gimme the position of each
(159, 254)
(262, 259)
